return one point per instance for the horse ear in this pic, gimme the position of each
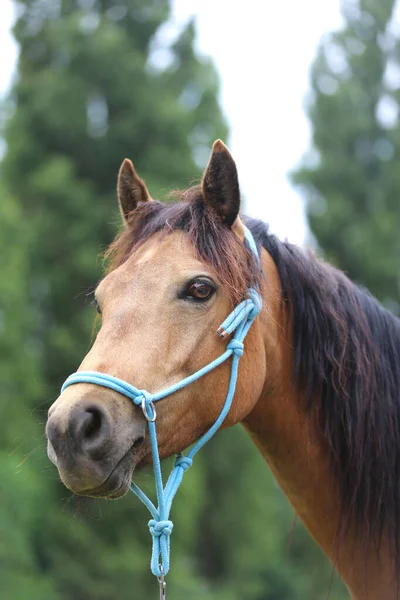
(220, 184)
(131, 189)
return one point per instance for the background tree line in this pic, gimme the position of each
(88, 93)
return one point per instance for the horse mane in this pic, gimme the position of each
(346, 353)
(346, 356)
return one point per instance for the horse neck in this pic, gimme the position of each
(293, 445)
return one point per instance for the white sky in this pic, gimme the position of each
(263, 51)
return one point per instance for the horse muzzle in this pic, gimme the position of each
(94, 439)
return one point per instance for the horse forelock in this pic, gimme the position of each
(213, 241)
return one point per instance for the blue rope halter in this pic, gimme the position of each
(238, 322)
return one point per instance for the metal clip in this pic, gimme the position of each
(163, 585)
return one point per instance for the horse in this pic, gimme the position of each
(317, 388)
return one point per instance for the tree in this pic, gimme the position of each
(90, 92)
(21, 485)
(87, 95)
(350, 179)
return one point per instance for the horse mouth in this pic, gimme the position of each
(119, 480)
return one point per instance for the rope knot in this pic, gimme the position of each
(145, 400)
(141, 396)
(236, 346)
(159, 528)
(256, 299)
(183, 461)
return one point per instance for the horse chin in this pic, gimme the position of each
(118, 481)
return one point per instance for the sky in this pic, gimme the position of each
(263, 55)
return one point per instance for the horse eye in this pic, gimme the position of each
(200, 290)
(96, 305)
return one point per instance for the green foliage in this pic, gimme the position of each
(89, 92)
(351, 180)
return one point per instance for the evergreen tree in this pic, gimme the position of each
(89, 92)
(20, 436)
(87, 95)
(351, 180)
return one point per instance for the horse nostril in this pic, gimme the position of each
(90, 428)
(92, 422)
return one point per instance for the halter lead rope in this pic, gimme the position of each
(238, 322)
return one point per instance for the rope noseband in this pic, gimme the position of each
(238, 323)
